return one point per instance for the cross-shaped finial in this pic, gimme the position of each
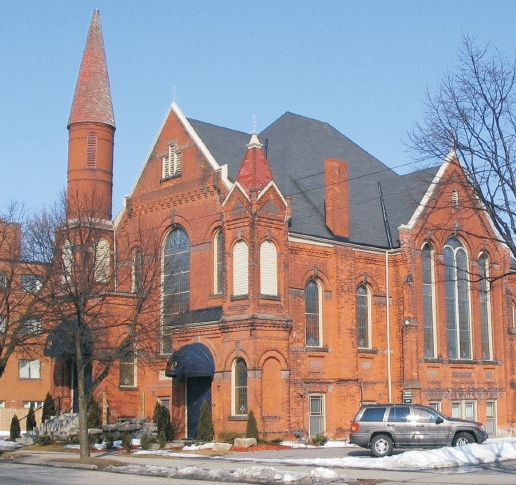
(254, 123)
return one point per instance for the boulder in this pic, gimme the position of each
(245, 442)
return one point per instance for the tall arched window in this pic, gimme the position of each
(239, 387)
(176, 281)
(485, 306)
(240, 269)
(363, 304)
(67, 255)
(268, 269)
(458, 323)
(427, 257)
(136, 271)
(102, 261)
(218, 262)
(313, 312)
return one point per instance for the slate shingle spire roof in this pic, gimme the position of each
(92, 97)
(297, 149)
(254, 172)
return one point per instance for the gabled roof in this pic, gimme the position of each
(296, 148)
(92, 97)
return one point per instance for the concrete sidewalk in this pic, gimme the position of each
(231, 468)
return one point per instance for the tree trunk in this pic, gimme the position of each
(83, 401)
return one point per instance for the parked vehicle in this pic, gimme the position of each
(381, 427)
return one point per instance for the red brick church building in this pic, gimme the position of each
(300, 277)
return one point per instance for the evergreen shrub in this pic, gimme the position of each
(252, 428)
(205, 431)
(15, 428)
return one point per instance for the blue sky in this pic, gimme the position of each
(362, 66)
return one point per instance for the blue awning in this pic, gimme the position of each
(193, 360)
(60, 342)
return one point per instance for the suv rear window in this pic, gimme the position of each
(373, 414)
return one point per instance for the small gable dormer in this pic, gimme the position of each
(254, 172)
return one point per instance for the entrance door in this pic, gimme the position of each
(198, 389)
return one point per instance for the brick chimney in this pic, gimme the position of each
(336, 196)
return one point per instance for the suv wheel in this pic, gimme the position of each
(462, 439)
(381, 445)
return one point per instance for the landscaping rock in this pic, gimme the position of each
(245, 442)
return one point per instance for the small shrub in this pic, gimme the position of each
(72, 439)
(127, 442)
(94, 414)
(205, 431)
(44, 440)
(319, 439)
(161, 417)
(31, 419)
(49, 408)
(145, 442)
(162, 439)
(15, 428)
(229, 436)
(252, 428)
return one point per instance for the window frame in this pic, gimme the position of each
(363, 312)
(320, 416)
(136, 270)
(218, 262)
(239, 389)
(429, 299)
(130, 363)
(268, 269)
(240, 269)
(33, 365)
(91, 150)
(171, 166)
(175, 274)
(313, 315)
(484, 293)
(30, 283)
(458, 300)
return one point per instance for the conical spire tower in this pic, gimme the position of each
(91, 127)
(255, 172)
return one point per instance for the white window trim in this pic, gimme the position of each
(488, 304)
(32, 366)
(323, 413)
(241, 269)
(268, 269)
(434, 298)
(369, 318)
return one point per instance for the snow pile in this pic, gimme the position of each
(473, 454)
(254, 474)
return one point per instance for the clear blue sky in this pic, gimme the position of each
(361, 66)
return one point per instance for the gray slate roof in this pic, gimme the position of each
(296, 150)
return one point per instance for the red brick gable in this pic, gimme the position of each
(92, 98)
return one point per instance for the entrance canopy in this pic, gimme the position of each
(60, 342)
(193, 360)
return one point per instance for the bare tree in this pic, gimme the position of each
(474, 113)
(103, 302)
(23, 280)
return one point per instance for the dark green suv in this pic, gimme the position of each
(381, 427)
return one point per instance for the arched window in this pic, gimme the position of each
(485, 306)
(91, 150)
(240, 269)
(176, 281)
(313, 312)
(268, 269)
(67, 255)
(427, 257)
(102, 261)
(218, 262)
(136, 271)
(363, 304)
(458, 324)
(239, 387)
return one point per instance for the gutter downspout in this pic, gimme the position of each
(388, 324)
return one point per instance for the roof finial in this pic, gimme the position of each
(254, 123)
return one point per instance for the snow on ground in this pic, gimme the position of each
(493, 450)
